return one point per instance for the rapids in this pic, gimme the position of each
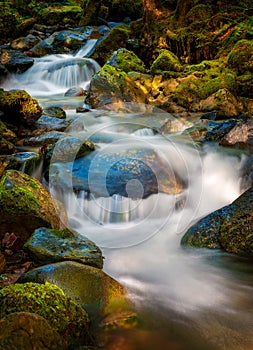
(195, 294)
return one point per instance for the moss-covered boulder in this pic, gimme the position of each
(223, 101)
(19, 108)
(88, 286)
(166, 61)
(55, 112)
(241, 56)
(48, 301)
(113, 85)
(28, 331)
(117, 38)
(48, 246)
(126, 61)
(230, 228)
(67, 15)
(26, 205)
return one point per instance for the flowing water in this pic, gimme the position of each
(187, 298)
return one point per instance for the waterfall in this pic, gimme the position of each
(55, 74)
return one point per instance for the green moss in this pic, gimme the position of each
(166, 61)
(241, 56)
(225, 80)
(187, 92)
(127, 61)
(19, 107)
(117, 38)
(199, 13)
(62, 14)
(48, 301)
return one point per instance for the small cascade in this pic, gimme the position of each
(87, 49)
(144, 132)
(55, 74)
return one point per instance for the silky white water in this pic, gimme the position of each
(208, 291)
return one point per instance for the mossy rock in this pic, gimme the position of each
(230, 228)
(166, 61)
(186, 93)
(26, 205)
(117, 38)
(70, 15)
(200, 12)
(241, 56)
(48, 301)
(223, 81)
(127, 61)
(48, 246)
(89, 287)
(9, 20)
(19, 108)
(28, 331)
(111, 85)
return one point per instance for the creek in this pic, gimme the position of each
(187, 298)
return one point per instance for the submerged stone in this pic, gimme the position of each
(118, 169)
(48, 246)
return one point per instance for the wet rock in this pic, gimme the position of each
(28, 331)
(15, 61)
(127, 171)
(219, 130)
(26, 162)
(47, 246)
(69, 39)
(55, 112)
(223, 101)
(91, 288)
(126, 61)
(68, 149)
(51, 124)
(26, 205)
(111, 85)
(47, 300)
(230, 228)
(25, 43)
(46, 138)
(75, 91)
(41, 49)
(240, 136)
(19, 108)
(246, 173)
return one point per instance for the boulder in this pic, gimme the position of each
(89, 287)
(127, 171)
(117, 38)
(223, 101)
(19, 108)
(26, 205)
(240, 57)
(46, 138)
(51, 124)
(66, 15)
(112, 85)
(230, 228)
(50, 302)
(127, 61)
(27, 162)
(28, 331)
(166, 61)
(25, 43)
(15, 61)
(47, 246)
(55, 112)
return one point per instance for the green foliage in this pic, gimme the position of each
(48, 301)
